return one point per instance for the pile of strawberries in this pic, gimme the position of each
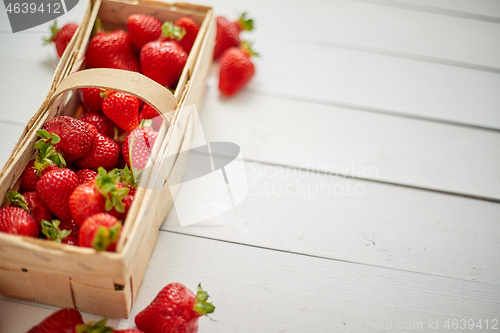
(157, 50)
(79, 187)
(175, 309)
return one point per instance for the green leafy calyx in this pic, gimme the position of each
(168, 29)
(53, 33)
(105, 237)
(48, 155)
(245, 23)
(51, 230)
(246, 47)
(202, 306)
(106, 184)
(95, 327)
(17, 200)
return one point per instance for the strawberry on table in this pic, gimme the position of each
(103, 153)
(236, 69)
(227, 36)
(103, 124)
(111, 50)
(122, 109)
(17, 221)
(100, 231)
(62, 321)
(55, 189)
(61, 37)
(143, 29)
(91, 99)
(99, 196)
(138, 145)
(163, 61)
(175, 309)
(243, 23)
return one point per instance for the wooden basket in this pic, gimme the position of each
(106, 283)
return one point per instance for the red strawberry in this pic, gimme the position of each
(30, 203)
(29, 177)
(61, 37)
(143, 29)
(55, 189)
(103, 124)
(72, 238)
(17, 221)
(227, 36)
(103, 153)
(91, 99)
(139, 143)
(243, 23)
(76, 136)
(175, 309)
(100, 231)
(86, 175)
(236, 69)
(163, 62)
(127, 202)
(99, 196)
(148, 112)
(62, 321)
(111, 50)
(191, 28)
(122, 109)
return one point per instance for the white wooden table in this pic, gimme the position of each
(402, 97)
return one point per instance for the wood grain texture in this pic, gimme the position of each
(377, 83)
(349, 142)
(271, 291)
(374, 28)
(357, 221)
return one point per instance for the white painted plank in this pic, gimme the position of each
(19, 80)
(483, 9)
(295, 70)
(10, 135)
(374, 28)
(357, 221)
(257, 290)
(401, 150)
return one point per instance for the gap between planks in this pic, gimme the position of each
(324, 258)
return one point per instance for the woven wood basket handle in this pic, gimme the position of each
(159, 97)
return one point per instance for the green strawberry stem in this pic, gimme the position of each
(245, 23)
(106, 183)
(127, 177)
(202, 307)
(17, 200)
(48, 155)
(146, 123)
(105, 237)
(246, 46)
(168, 29)
(53, 32)
(51, 231)
(93, 327)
